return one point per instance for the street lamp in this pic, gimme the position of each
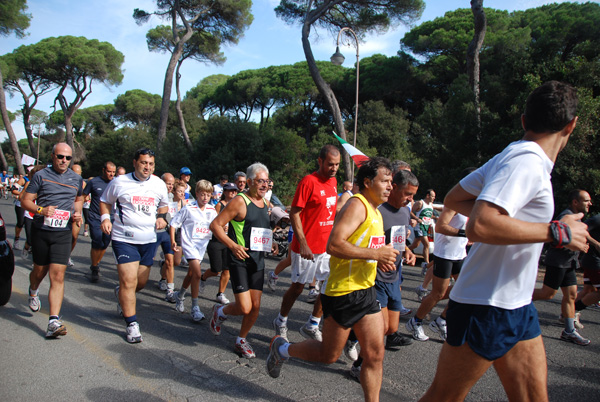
(338, 60)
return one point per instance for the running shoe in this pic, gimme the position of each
(416, 329)
(396, 340)
(424, 269)
(439, 327)
(421, 292)
(280, 330)
(312, 296)
(70, 263)
(26, 254)
(95, 274)
(574, 337)
(55, 329)
(577, 323)
(311, 332)
(133, 333)
(202, 286)
(216, 321)
(86, 233)
(351, 350)
(196, 314)
(170, 296)
(222, 299)
(405, 311)
(34, 302)
(355, 372)
(119, 309)
(275, 360)
(244, 349)
(272, 281)
(179, 303)
(16, 245)
(162, 284)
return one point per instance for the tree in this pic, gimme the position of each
(363, 16)
(11, 117)
(225, 20)
(473, 50)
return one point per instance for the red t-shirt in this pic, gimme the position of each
(317, 196)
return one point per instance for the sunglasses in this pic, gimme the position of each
(67, 157)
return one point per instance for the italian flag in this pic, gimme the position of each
(358, 157)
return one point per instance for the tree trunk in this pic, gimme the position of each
(29, 133)
(186, 137)
(327, 94)
(9, 130)
(3, 159)
(473, 66)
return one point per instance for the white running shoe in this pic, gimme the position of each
(574, 337)
(424, 269)
(202, 286)
(351, 350)
(26, 254)
(281, 330)
(272, 281)
(34, 302)
(421, 292)
(311, 332)
(416, 329)
(405, 311)
(55, 329)
(16, 245)
(133, 333)
(312, 296)
(179, 303)
(197, 314)
(170, 296)
(222, 299)
(439, 326)
(244, 349)
(162, 284)
(70, 263)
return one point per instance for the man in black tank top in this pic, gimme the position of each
(248, 238)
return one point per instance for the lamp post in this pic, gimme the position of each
(338, 60)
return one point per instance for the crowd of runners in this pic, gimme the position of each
(348, 248)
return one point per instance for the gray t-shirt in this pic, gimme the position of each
(562, 257)
(392, 217)
(95, 188)
(59, 190)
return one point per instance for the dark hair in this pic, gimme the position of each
(328, 149)
(550, 107)
(143, 151)
(574, 195)
(405, 177)
(369, 169)
(428, 192)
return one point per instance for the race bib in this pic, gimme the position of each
(398, 237)
(426, 220)
(172, 208)
(201, 231)
(261, 239)
(143, 204)
(377, 241)
(60, 219)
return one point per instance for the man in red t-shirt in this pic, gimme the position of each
(312, 215)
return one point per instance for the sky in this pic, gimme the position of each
(268, 41)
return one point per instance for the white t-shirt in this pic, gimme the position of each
(518, 180)
(452, 247)
(217, 191)
(195, 232)
(134, 207)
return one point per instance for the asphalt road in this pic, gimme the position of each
(180, 360)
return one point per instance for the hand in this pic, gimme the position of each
(411, 259)
(413, 223)
(386, 255)
(77, 219)
(386, 267)
(49, 211)
(306, 252)
(579, 232)
(106, 226)
(161, 223)
(174, 246)
(239, 252)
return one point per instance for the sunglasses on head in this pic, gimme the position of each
(67, 157)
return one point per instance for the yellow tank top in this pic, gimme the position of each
(346, 276)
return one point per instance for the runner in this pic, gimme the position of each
(167, 268)
(248, 238)
(491, 319)
(141, 204)
(357, 247)
(58, 192)
(312, 215)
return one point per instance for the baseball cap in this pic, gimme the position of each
(185, 170)
(229, 186)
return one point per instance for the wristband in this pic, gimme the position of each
(104, 217)
(561, 234)
(164, 216)
(39, 210)
(461, 233)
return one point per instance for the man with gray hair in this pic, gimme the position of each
(239, 179)
(248, 238)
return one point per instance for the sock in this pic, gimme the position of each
(130, 320)
(283, 350)
(33, 292)
(170, 286)
(441, 320)
(220, 313)
(418, 320)
(181, 293)
(310, 288)
(570, 325)
(239, 340)
(281, 320)
(579, 305)
(194, 302)
(53, 318)
(313, 321)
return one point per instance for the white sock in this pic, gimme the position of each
(220, 312)
(239, 340)
(281, 320)
(194, 302)
(170, 286)
(283, 350)
(313, 321)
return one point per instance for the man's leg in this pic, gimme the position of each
(96, 256)
(438, 292)
(38, 273)
(544, 293)
(128, 285)
(224, 280)
(369, 331)
(327, 351)
(57, 287)
(290, 297)
(568, 301)
(425, 241)
(523, 371)
(458, 369)
(250, 318)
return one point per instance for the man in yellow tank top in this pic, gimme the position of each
(357, 247)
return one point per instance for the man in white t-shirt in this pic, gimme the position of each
(491, 319)
(140, 202)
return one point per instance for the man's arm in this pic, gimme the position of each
(77, 207)
(105, 223)
(341, 201)
(459, 200)
(234, 210)
(305, 251)
(443, 223)
(491, 224)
